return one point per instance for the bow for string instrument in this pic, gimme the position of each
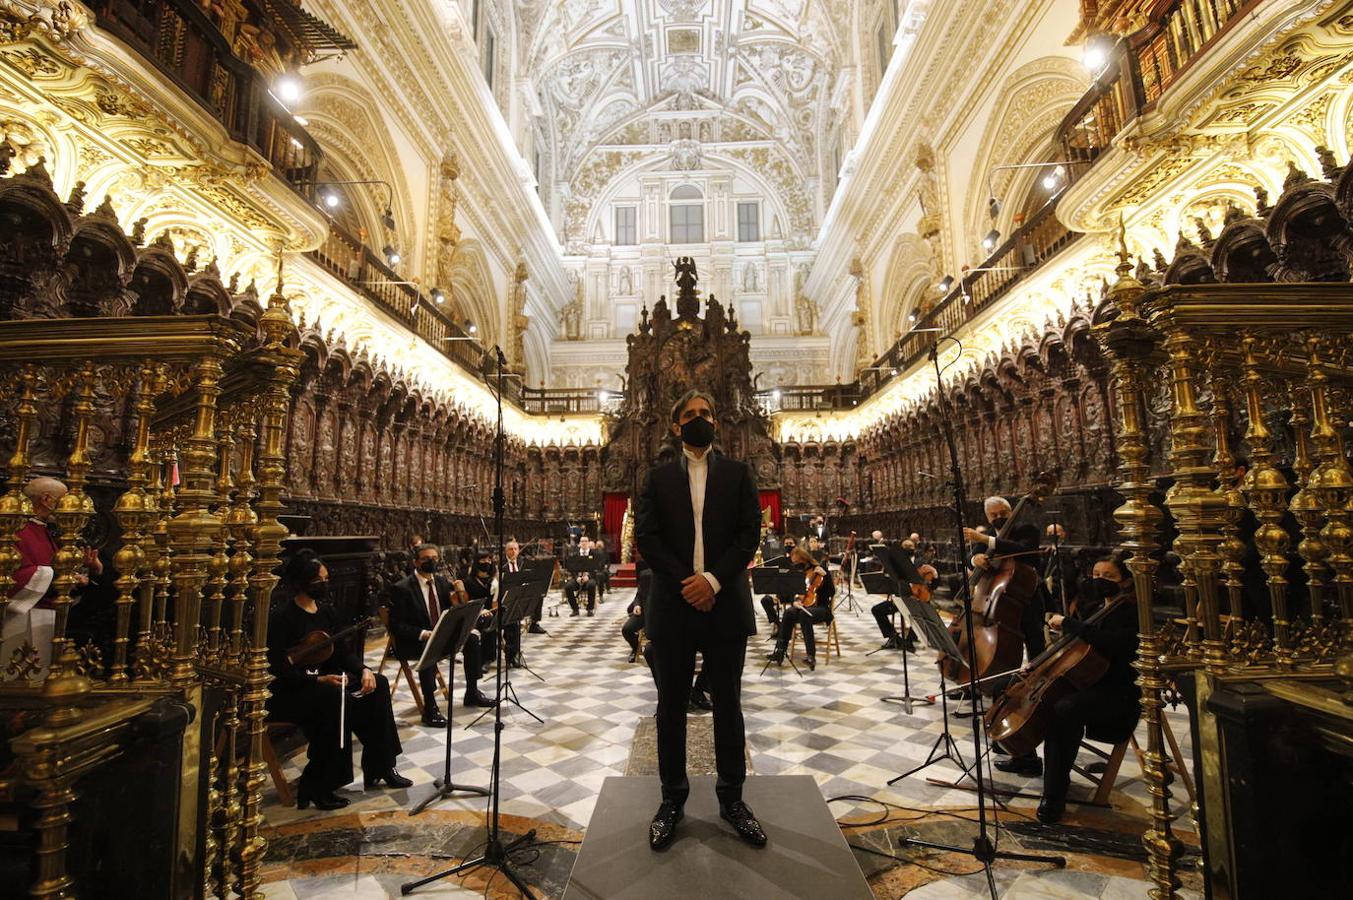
(999, 592)
(1019, 717)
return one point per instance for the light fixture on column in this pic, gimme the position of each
(1053, 179)
(392, 257)
(438, 297)
(1096, 53)
(471, 328)
(991, 240)
(945, 285)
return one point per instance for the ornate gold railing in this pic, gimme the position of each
(1231, 372)
(208, 396)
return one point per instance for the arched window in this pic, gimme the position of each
(686, 216)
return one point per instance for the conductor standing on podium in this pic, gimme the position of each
(697, 523)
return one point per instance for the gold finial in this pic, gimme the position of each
(1125, 292)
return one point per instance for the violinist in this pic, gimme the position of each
(806, 610)
(924, 577)
(1109, 709)
(309, 693)
(479, 586)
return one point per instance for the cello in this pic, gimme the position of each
(1018, 719)
(998, 595)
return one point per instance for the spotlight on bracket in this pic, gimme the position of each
(438, 297)
(991, 240)
(392, 256)
(945, 285)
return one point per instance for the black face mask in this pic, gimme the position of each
(482, 571)
(1104, 588)
(427, 566)
(999, 522)
(318, 591)
(698, 432)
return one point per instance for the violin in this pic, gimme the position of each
(999, 593)
(1019, 717)
(317, 647)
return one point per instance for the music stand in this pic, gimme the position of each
(936, 636)
(448, 638)
(538, 579)
(516, 604)
(778, 581)
(883, 582)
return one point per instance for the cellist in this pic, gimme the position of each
(1022, 542)
(1108, 710)
(806, 610)
(310, 694)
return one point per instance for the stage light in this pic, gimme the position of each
(289, 88)
(392, 256)
(471, 327)
(603, 396)
(991, 240)
(438, 297)
(911, 317)
(331, 200)
(994, 207)
(388, 219)
(944, 286)
(301, 121)
(1053, 178)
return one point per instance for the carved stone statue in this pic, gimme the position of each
(448, 233)
(806, 311)
(688, 303)
(864, 349)
(625, 282)
(520, 320)
(571, 316)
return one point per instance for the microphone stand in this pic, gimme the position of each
(983, 848)
(497, 855)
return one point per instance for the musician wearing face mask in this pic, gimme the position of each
(806, 611)
(581, 582)
(416, 603)
(883, 612)
(479, 586)
(310, 692)
(1109, 709)
(773, 604)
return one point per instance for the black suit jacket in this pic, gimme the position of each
(664, 531)
(409, 613)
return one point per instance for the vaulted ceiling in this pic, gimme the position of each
(623, 73)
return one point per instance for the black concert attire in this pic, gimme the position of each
(715, 533)
(634, 621)
(1108, 710)
(298, 696)
(603, 575)
(899, 563)
(820, 613)
(412, 610)
(573, 586)
(1024, 539)
(480, 589)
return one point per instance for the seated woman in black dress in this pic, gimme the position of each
(309, 695)
(803, 615)
(1107, 710)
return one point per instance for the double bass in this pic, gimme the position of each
(999, 594)
(1019, 717)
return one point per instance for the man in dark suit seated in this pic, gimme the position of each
(416, 603)
(603, 567)
(581, 582)
(697, 524)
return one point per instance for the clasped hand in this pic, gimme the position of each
(368, 681)
(698, 592)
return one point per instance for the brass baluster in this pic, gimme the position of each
(134, 510)
(1332, 485)
(146, 636)
(1129, 343)
(194, 530)
(212, 813)
(240, 521)
(65, 687)
(164, 567)
(277, 327)
(218, 566)
(1232, 548)
(1306, 508)
(14, 506)
(1197, 508)
(1266, 488)
(228, 836)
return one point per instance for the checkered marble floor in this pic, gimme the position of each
(831, 723)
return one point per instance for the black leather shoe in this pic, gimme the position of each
(322, 801)
(634, 654)
(516, 662)
(573, 615)
(700, 701)
(811, 661)
(663, 827)
(774, 632)
(1050, 811)
(776, 656)
(743, 820)
(434, 720)
(392, 778)
(893, 643)
(478, 699)
(590, 612)
(536, 629)
(1029, 766)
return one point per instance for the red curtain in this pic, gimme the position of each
(612, 518)
(771, 500)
